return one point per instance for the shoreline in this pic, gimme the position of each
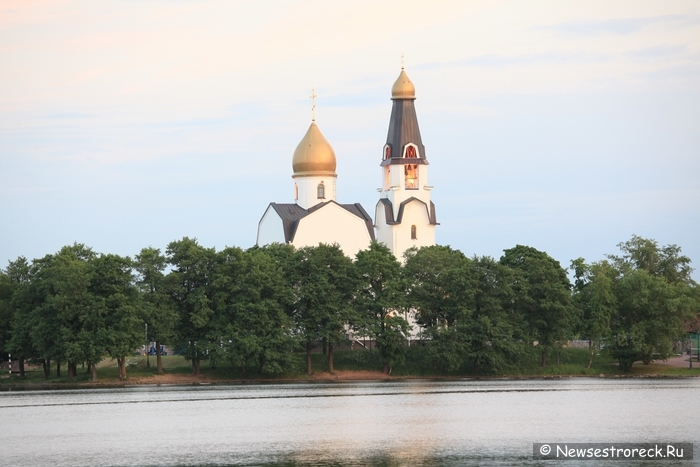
(338, 377)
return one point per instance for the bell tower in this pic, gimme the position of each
(404, 215)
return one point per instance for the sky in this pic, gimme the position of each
(565, 126)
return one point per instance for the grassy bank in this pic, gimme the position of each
(562, 362)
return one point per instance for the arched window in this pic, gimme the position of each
(413, 233)
(411, 172)
(296, 192)
(387, 152)
(411, 151)
(321, 191)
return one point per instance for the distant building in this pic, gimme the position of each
(404, 215)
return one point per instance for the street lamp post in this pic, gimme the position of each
(148, 363)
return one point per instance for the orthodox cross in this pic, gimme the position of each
(402, 60)
(313, 105)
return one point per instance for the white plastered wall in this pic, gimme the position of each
(398, 236)
(333, 224)
(270, 228)
(307, 187)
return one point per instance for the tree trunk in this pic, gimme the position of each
(121, 368)
(159, 360)
(148, 354)
(385, 370)
(544, 357)
(590, 349)
(88, 370)
(46, 363)
(94, 372)
(21, 367)
(325, 346)
(308, 358)
(261, 366)
(72, 370)
(58, 368)
(195, 366)
(330, 358)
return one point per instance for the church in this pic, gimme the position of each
(404, 216)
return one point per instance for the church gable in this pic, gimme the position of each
(410, 203)
(333, 223)
(414, 205)
(271, 227)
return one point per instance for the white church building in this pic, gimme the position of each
(404, 214)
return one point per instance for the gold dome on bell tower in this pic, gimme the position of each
(403, 88)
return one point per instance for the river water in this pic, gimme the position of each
(417, 422)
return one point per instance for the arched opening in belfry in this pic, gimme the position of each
(414, 235)
(411, 172)
(321, 191)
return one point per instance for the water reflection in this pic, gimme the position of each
(393, 423)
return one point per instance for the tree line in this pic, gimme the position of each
(257, 309)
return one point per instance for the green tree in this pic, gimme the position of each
(157, 306)
(656, 298)
(16, 311)
(667, 262)
(543, 297)
(251, 296)
(594, 294)
(80, 318)
(34, 323)
(325, 283)
(489, 333)
(116, 310)
(380, 302)
(190, 287)
(440, 291)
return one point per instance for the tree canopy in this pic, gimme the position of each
(262, 308)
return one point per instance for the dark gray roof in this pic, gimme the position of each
(403, 129)
(292, 213)
(389, 211)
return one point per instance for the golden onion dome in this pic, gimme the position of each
(313, 155)
(403, 88)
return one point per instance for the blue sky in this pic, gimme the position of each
(566, 126)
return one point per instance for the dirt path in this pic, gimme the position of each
(349, 375)
(678, 362)
(203, 379)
